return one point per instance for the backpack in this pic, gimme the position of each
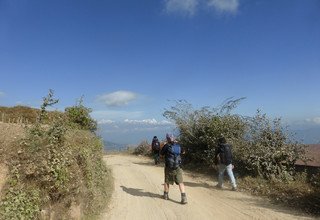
(225, 155)
(173, 158)
(155, 145)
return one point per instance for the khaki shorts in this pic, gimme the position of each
(173, 176)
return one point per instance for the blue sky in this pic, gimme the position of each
(129, 57)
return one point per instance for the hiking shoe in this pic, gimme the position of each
(184, 200)
(166, 196)
(218, 186)
(234, 188)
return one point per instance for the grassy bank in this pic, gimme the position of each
(55, 181)
(55, 166)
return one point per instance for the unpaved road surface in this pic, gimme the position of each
(138, 191)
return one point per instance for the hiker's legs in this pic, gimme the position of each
(166, 191)
(231, 176)
(156, 157)
(183, 194)
(181, 187)
(222, 168)
(166, 187)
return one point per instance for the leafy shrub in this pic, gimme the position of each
(200, 129)
(143, 148)
(315, 179)
(63, 166)
(87, 150)
(261, 147)
(269, 151)
(79, 117)
(20, 204)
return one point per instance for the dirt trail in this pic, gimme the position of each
(138, 191)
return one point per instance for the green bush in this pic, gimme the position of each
(260, 147)
(315, 179)
(62, 165)
(200, 129)
(20, 204)
(79, 117)
(270, 151)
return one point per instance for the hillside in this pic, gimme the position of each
(312, 152)
(9, 134)
(52, 170)
(24, 114)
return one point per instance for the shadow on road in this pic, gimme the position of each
(139, 192)
(160, 164)
(193, 184)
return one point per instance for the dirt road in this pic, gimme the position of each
(138, 191)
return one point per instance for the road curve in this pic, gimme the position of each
(138, 191)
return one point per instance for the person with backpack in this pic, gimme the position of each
(172, 170)
(155, 149)
(223, 158)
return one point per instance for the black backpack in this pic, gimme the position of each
(156, 145)
(225, 154)
(173, 158)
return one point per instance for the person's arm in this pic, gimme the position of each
(231, 154)
(163, 150)
(217, 151)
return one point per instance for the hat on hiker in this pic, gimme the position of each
(170, 138)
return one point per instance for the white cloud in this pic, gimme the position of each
(134, 130)
(184, 6)
(2, 94)
(230, 6)
(315, 120)
(190, 7)
(148, 122)
(105, 121)
(118, 98)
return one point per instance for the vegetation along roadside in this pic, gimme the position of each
(56, 168)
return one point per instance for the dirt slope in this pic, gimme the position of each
(9, 133)
(138, 190)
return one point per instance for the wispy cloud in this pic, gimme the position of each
(224, 6)
(132, 126)
(190, 7)
(182, 6)
(148, 122)
(2, 94)
(105, 121)
(315, 120)
(118, 98)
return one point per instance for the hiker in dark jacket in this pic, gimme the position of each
(155, 149)
(223, 158)
(172, 170)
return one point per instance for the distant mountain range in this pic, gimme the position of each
(308, 136)
(110, 146)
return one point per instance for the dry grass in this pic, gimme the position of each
(85, 164)
(297, 194)
(9, 134)
(24, 115)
